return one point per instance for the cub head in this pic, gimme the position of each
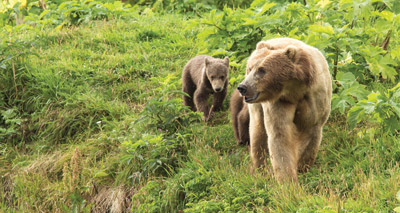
(269, 70)
(217, 72)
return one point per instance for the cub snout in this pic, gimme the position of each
(219, 89)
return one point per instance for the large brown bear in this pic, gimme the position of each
(204, 75)
(288, 88)
(240, 118)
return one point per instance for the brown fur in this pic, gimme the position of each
(288, 88)
(202, 76)
(240, 118)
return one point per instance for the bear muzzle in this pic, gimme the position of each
(248, 98)
(242, 89)
(251, 99)
(219, 89)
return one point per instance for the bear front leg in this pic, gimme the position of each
(219, 98)
(235, 124)
(309, 153)
(189, 88)
(188, 100)
(283, 140)
(258, 136)
(243, 126)
(201, 102)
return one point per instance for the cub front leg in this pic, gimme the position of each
(201, 102)
(219, 98)
(258, 136)
(283, 140)
(188, 100)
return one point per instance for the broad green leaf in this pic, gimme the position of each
(324, 3)
(395, 52)
(373, 97)
(322, 29)
(347, 59)
(345, 3)
(368, 107)
(356, 90)
(293, 32)
(205, 34)
(396, 109)
(339, 104)
(392, 124)
(100, 174)
(397, 17)
(372, 51)
(396, 7)
(354, 115)
(363, 8)
(387, 60)
(43, 14)
(256, 3)
(345, 78)
(387, 15)
(266, 7)
(383, 66)
(249, 21)
(395, 88)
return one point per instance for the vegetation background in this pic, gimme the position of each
(91, 115)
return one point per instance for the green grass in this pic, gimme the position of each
(88, 86)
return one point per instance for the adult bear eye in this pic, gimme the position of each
(261, 71)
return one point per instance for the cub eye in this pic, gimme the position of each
(212, 77)
(222, 77)
(261, 71)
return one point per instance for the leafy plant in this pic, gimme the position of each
(233, 32)
(77, 12)
(166, 112)
(190, 6)
(10, 124)
(348, 93)
(62, 13)
(152, 155)
(381, 109)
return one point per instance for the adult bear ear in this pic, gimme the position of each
(291, 52)
(206, 61)
(263, 44)
(226, 61)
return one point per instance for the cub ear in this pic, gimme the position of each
(226, 61)
(291, 52)
(206, 61)
(263, 44)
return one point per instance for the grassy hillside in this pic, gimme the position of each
(91, 115)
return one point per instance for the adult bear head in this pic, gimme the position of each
(270, 70)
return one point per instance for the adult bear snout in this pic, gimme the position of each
(242, 89)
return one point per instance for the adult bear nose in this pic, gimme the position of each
(218, 89)
(242, 89)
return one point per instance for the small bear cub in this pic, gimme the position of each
(204, 75)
